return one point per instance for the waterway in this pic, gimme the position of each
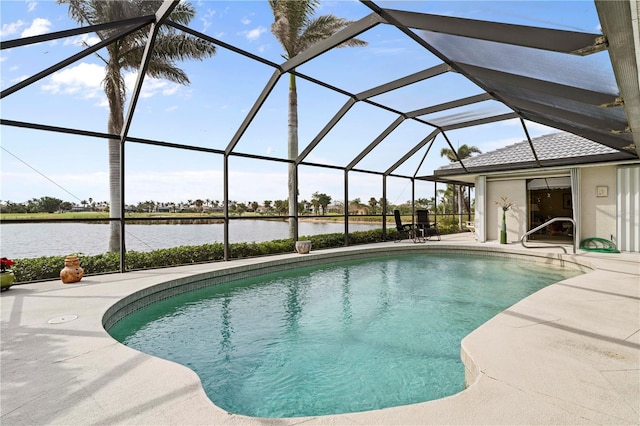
(30, 240)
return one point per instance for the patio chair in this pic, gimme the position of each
(427, 229)
(403, 229)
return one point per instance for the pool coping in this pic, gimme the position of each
(568, 354)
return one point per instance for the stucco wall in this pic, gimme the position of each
(516, 191)
(598, 213)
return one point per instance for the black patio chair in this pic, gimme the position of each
(403, 229)
(424, 226)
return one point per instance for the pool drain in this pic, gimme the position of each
(63, 318)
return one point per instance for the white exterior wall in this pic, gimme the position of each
(598, 214)
(516, 191)
(628, 206)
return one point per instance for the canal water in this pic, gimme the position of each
(22, 240)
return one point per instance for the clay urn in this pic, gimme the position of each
(72, 272)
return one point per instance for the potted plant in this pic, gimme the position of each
(6, 274)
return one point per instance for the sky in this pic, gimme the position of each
(222, 89)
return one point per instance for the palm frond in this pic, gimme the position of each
(180, 46)
(322, 28)
(164, 69)
(291, 18)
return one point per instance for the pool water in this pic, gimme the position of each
(345, 337)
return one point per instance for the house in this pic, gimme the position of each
(358, 210)
(556, 175)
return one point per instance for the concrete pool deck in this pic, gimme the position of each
(568, 354)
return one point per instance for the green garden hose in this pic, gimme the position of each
(599, 245)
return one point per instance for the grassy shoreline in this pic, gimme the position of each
(150, 218)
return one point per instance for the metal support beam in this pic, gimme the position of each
(584, 120)
(121, 220)
(295, 202)
(518, 35)
(376, 142)
(225, 210)
(533, 150)
(253, 111)
(454, 152)
(138, 22)
(354, 29)
(326, 129)
(424, 157)
(346, 208)
(404, 81)
(449, 105)
(497, 79)
(384, 207)
(70, 60)
(409, 154)
(161, 15)
(480, 121)
(595, 135)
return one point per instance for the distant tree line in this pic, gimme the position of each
(320, 204)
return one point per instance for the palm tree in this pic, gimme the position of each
(464, 151)
(373, 204)
(126, 55)
(296, 29)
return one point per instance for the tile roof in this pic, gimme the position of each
(556, 148)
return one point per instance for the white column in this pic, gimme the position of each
(575, 203)
(481, 209)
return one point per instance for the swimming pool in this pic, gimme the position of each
(346, 337)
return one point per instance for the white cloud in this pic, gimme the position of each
(254, 34)
(187, 184)
(11, 28)
(179, 185)
(207, 19)
(84, 80)
(82, 40)
(245, 21)
(19, 79)
(31, 6)
(81, 185)
(38, 26)
(151, 86)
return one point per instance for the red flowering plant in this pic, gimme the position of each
(5, 264)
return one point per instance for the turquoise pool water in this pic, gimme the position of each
(346, 337)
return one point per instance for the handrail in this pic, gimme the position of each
(547, 223)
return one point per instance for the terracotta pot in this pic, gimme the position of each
(72, 272)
